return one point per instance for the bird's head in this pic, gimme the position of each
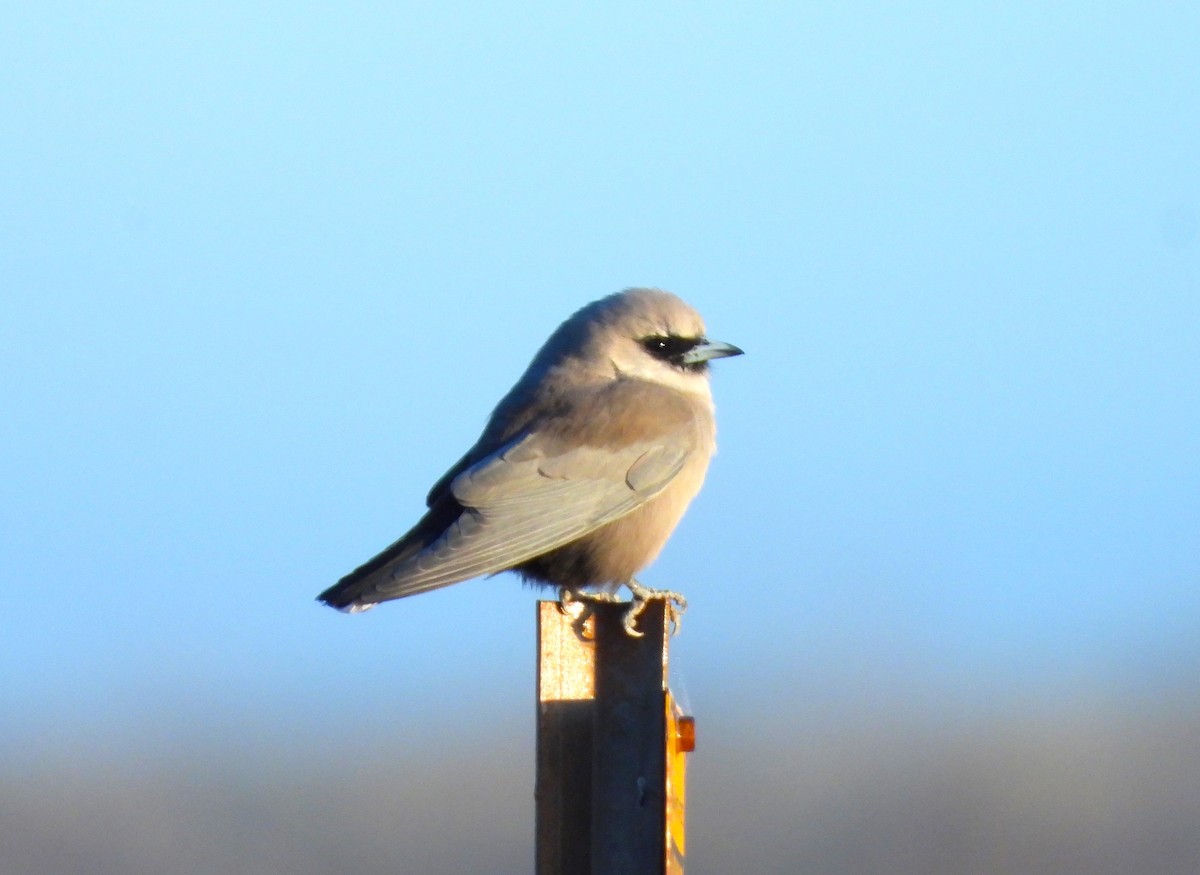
(649, 334)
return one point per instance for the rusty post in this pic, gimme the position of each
(603, 786)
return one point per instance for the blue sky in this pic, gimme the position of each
(267, 267)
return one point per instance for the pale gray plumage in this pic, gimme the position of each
(584, 468)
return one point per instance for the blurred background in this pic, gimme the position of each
(266, 268)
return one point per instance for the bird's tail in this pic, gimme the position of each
(375, 580)
(358, 590)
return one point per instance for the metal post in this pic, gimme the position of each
(604, 752)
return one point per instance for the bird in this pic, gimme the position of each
(582, 471)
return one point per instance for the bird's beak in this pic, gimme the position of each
(709, 349)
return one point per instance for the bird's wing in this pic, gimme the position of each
(535, 494)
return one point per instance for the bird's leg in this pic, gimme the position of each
(675, 603)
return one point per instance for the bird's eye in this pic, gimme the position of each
(669, 347)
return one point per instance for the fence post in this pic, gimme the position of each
(609, 763)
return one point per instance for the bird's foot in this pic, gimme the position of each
(572, 601)
(674, 602)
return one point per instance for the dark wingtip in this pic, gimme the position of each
(341, 598)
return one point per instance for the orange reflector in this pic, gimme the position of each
(685, 730)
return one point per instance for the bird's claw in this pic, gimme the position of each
(674, 603)
(571, 602)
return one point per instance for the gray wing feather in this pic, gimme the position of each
(527, 499)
